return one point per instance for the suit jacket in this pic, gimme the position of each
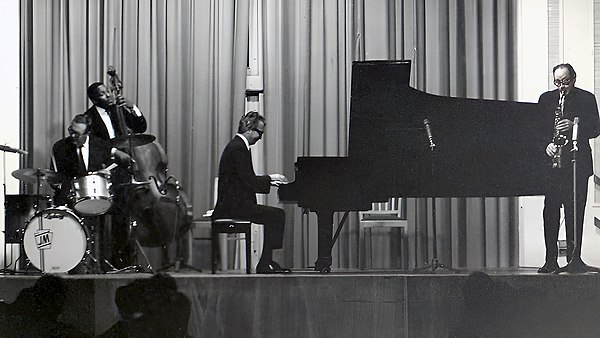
(137, 124)
(582, 104)
(67, 161)
(238, 184)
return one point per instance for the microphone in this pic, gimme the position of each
(574, 137)
(575, 129)
(12, 150)
(429, 135)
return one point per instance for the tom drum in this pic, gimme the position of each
(91, 195)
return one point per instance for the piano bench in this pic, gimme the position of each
(382, 219)
(230, 226)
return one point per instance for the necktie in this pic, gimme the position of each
(82, 168)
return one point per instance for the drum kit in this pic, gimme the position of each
(56, 239)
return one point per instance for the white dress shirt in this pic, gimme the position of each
(107, 122)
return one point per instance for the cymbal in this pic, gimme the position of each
(34, 175)
(134, 140)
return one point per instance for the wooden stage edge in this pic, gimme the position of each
(352, 303)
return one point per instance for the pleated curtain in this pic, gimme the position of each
(184, 64)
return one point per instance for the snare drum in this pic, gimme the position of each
(91, 195)
(55, 240)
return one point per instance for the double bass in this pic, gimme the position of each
(159, 208)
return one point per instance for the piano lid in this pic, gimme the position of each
(482, 147)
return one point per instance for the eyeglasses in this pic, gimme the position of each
(260, 132)
(74, 133)
(564, 82)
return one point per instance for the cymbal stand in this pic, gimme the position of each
(40, 225)
(94, 253)
(40, 219)
(435, 264)
(177, 264)
(5, 207)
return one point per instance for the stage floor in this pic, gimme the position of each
(351, 303)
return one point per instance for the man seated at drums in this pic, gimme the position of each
(80, 153)
(78, 157)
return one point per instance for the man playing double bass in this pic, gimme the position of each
(113, 117)
(106, 123)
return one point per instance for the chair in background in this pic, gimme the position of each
(390, 214)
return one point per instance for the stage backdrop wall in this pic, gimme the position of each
(184, 64)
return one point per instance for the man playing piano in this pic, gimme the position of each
(238, 186)
(562, 106)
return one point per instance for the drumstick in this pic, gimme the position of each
(112, 166)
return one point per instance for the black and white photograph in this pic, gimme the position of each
(306, 168)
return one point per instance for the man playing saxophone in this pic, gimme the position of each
(564, 104)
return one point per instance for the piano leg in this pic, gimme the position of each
(325, 231)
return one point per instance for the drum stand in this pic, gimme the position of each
(130, 268)
(137, 267)
(94, 253)
(4, 150)
(5, 204)
(40, 226)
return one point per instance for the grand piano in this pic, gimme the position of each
(477, 148)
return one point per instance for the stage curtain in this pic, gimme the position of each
(458, 48)
(462, 49)
(184, 64)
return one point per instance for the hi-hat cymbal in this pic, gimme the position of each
(134, 140)
(34, 175)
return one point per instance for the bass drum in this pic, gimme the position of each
(55, 240)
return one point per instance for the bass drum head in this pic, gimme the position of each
(55, 240)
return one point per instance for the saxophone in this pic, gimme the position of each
(560, 140)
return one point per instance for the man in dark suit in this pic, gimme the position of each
(96, 155)
(570, 102)
(104, 114)
(115, 118)
(239, 184)
(78, 154)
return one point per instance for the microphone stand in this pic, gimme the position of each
(5, 149)
(576, 264)
(435, 264)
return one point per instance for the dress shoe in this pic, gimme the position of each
(270, 268)
(323, 264)
(576, 265)
(549, 267)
